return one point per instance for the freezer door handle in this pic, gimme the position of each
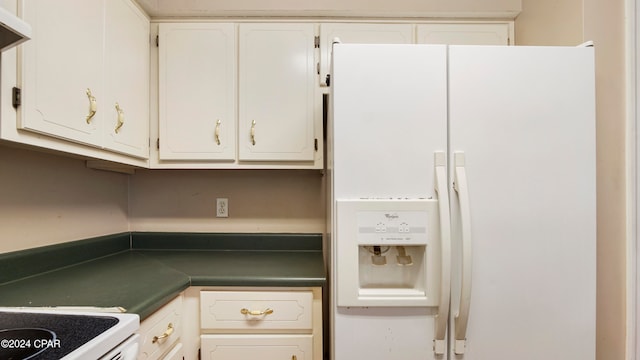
(440, 163)
(462, 315)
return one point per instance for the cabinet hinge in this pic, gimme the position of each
(16, 97)
(316, 42)
(318, 68)
(157, 40)
(315, 143)
(158, 144)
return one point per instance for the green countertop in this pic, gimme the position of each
(244, 268)
(158, 266)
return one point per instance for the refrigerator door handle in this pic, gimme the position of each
(462, 315)
(440, 163)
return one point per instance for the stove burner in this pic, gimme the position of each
(25, 343)
(44, 336)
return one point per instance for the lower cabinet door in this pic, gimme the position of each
(161, 330)
(263, 347)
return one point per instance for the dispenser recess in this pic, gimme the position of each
(387, 252)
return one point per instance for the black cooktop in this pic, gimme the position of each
(47, 336)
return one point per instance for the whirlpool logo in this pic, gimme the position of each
(391, 216)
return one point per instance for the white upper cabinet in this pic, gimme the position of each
(62, 69)
(276, 92)
(465, 33)
(197, 83)
(126, 109)
(359, 33)
(75, 70)
(237, 95)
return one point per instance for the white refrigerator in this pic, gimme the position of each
(462, 218)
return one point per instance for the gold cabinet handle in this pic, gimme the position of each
(217, 134)
(293, 357)
(93, 106)
(165, 335)
(253, 132)
(120, 118)
(245, 311)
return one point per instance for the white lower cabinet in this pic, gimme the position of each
(256, 310)
(160, 332)
(264, 347)
(258, 323)
(176, 353)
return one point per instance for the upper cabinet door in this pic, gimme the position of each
(276, 92)
(62, 70)
(465, 33)
(197, 91)
(75, 71)
(126, 106)
(361, 34)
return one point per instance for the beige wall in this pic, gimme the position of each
(570, 22)
(47, 199)
(604, 23)
(259, 200)
(550, 22)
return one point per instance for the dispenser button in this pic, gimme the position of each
(381, 228)
(403, 228)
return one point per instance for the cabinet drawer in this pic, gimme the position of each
(177, 353)
(253, 310)
(161, 330)
(263, 347)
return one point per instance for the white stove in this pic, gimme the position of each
(53, 334)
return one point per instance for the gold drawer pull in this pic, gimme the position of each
(217, 133)
(120, 118)
(253, 133)
(166, 334)
(256, 312)
(293, 357)
(93, 106)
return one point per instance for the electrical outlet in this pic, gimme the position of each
(222, 207)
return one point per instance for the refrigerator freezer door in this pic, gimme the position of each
(442, 318)
(390, 111)
(389, 117)
(524, 118)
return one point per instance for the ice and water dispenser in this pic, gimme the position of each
(387, 252)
